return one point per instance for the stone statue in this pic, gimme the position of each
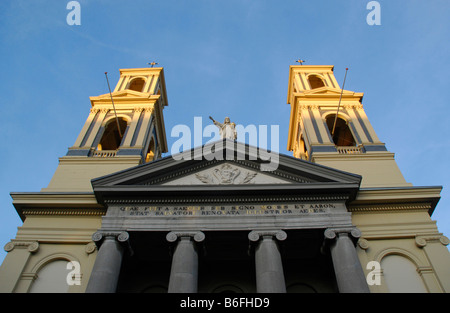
(227, 129)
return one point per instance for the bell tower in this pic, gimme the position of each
(329, 126)
(123, 129)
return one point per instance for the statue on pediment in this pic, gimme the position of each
(227, 129)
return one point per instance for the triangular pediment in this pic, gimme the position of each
(242, 169)
(124, 93)
(244, 172)
(330, 93)
(124, 96)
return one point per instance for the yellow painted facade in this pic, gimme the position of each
(310, 138)
(59, 221)
(392, 214)
(55, 227)
(139, 99)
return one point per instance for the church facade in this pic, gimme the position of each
(338, 216)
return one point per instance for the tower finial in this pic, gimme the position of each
(152, 63)
(300, 61)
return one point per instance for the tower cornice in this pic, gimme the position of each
(141, 71)
(125, 97)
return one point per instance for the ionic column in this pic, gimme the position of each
(105, 274)
(350, 277)
(356, 123)
(85, 128)
(14, 264)
(321, 125)
(269, 267)
(308, 124)
(184, 271)
(133, 125)
(434, 247)
(367, 124)
(148, 111)
(96, 127)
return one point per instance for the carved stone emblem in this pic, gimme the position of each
(226, 175)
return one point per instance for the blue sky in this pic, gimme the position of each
(221, 58)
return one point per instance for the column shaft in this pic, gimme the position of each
(105, 274)
(184, 271)
(269, 268)
(85, 128)
(268, 264)
(358, 127)
(132, 128)
(349, 274)
(308, 126)
(148, 111)
(96, 127)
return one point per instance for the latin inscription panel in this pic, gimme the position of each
(228, 210)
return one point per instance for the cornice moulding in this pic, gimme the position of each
(141, 71)
(121, 159)
(372, 155)
(46, 202)
(416, 192)
(389, 207)
(409, 197)
(124, 102)
(65, 211)
(53, 197)
(357, 96)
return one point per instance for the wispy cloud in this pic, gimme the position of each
(123, 49)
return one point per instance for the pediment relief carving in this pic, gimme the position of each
(227, 174)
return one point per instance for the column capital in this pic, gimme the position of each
(255, 235)
(121, 236)
(333, 232)
(31, 246)
(173, 236)
(423, 240)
